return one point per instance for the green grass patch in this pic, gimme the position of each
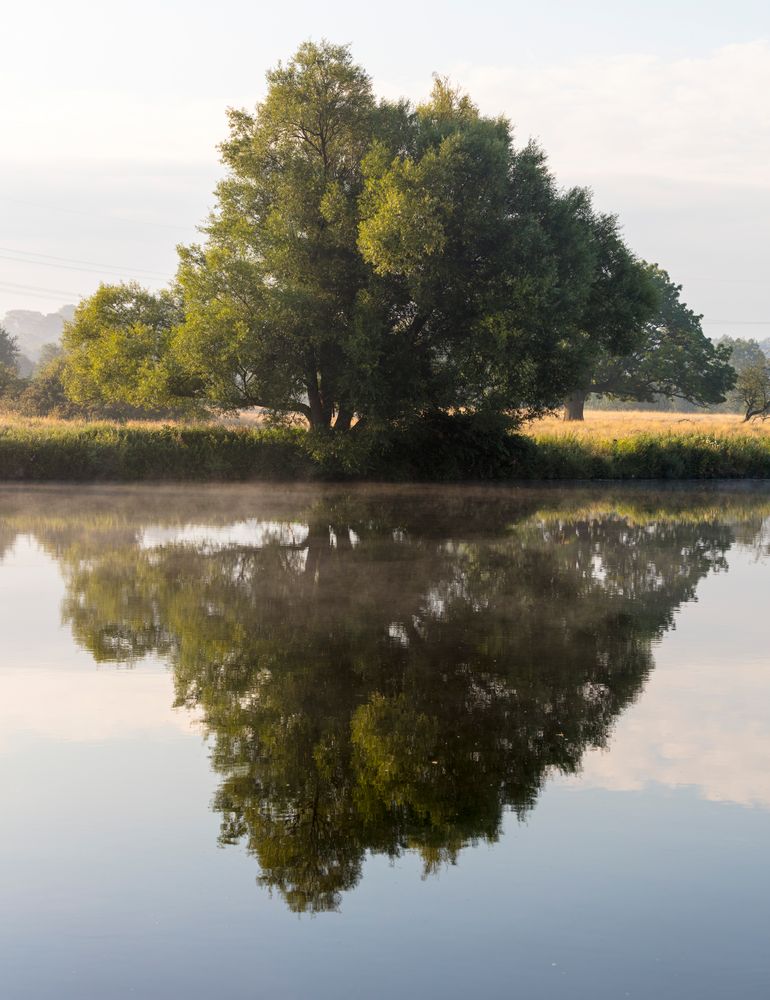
(442, 449)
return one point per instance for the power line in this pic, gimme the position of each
(67, 262)
(11, 285)
(35, 296)
(94, 215)
(80, 270)
(736, 322)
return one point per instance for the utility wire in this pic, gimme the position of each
(80, 270)
(9, 253)
(39, 288)
(35, 296)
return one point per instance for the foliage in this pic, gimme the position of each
(753, 388)
(9, 358)
(116, 351)
(73, 451)
(9, 349)
(44, 394)
(743, 352)
(671, 358)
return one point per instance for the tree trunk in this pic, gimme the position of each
(317, 415)
(344, 419)
(574, 405)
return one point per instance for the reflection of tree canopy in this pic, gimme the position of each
(392, 672)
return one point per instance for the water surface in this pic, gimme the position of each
(351, 742)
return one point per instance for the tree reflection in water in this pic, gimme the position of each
(390, 672)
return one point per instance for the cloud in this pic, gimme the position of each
(89, 707)
(702, 120)
(692, 729)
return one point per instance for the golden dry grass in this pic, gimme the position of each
(629, 423)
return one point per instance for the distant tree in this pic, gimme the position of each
(623, 298)
(44, 394)
(9, 358)
(668, 356)
(9, 349)
(48, 353)
(743, 352)
(24, 366)
(753, 388)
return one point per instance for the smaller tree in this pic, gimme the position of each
(44, 394)
(671, 357)
(49, 353)
(10, 383)
(9, 349)
(743, 352)
(753, 389)
(116, 351)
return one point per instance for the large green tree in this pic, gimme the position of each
(371, 260)
(380, 260)
(667, 356)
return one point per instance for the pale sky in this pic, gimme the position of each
(110, 115)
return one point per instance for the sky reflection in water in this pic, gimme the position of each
(575, 683)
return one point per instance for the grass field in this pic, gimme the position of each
(628, 423)
(606, 446)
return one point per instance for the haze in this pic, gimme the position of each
(111, 116)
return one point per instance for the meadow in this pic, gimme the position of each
(624, 423)
(608, 445)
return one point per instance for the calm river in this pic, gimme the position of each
(354, 743)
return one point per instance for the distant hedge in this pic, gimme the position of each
(440, 449)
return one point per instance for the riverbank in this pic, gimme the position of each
(48, 450)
